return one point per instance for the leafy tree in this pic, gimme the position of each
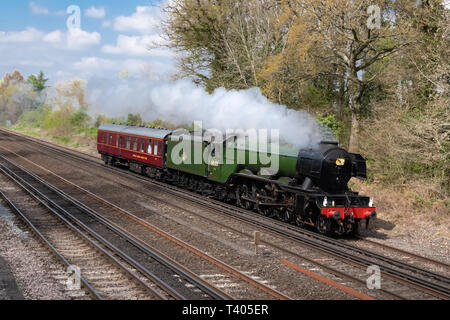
(101, 119)
(134, 120)
(38, 83)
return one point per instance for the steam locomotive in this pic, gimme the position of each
(310, 187)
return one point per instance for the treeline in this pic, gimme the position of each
(60, 113)
(381, 84)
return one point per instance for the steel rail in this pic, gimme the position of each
(333, 246)
(404, 252)
(41, 237)
(52, 205)
(292, 232)
(43, 201)
(155, 229)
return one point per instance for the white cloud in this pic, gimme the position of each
(54, 37)
(28, 35)
(65, 54)
(35, 63)
(145, 20)
(93, 64)
(95, 13)
(129, 45)
(36, 9)
(138, 46)
(78, 39)
(73, 39)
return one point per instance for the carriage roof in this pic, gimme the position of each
(158, 133)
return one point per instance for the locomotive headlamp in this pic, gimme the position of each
(325, 201)
(371, 202)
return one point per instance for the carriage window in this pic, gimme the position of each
(117, 140)
(159, 148)
(103, 137)
(110, 139)
(120, 143)
(128, 142)
(155, 148)
(149, 148)
(141, 145)
(135, 144)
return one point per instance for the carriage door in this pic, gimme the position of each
(120, 145)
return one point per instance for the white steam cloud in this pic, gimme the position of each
(183, 102)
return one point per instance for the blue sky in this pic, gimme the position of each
(113, 39)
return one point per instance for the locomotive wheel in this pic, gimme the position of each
(283, 214)
(299, 222)
(355, 229)
(263, 210)
(286, 214)
(193, 184)
(242, 191)
(323, 225)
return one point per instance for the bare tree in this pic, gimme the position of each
(344, 39)
(222, 43)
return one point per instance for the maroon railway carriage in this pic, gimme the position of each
(133, 146)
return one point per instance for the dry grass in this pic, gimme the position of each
(78, 141)
(403, 213)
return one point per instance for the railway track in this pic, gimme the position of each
(269, 293)
(407, 254)
(172, 280)
(78, 251)
(432, 283)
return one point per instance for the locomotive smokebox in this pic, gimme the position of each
(329, 166)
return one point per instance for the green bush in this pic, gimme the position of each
(80, 119)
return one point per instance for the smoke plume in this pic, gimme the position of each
(183, 102)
